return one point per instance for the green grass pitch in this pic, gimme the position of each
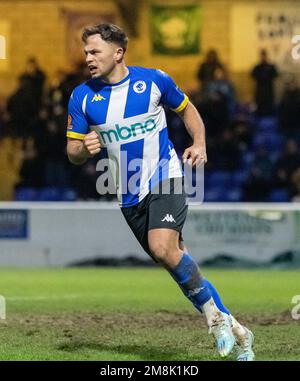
(139, 314)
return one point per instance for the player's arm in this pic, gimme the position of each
(79, 151)
(82, 144)
(173, 97)
(195, 127)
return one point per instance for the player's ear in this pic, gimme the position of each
(119, 53)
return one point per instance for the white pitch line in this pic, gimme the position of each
(43, 297)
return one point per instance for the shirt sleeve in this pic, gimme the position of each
(77, 123)
(171, 95)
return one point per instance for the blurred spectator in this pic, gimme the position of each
(256, 188)
(57, 95)
(85, 181)
(3, 118)
(289, 161)
(38, 124)
(218, 103)
(24, 104)
(207, 68)
(51, 145)
(258, 184)
(35, 78)
(280, 179)
(296, 186)
(224, 153)
(21, 108)
(32, 169)
(264, 74)
(242, 130)
(289, 110)
(70, 80)
(231, 133)
(221, 86)
(262, 164)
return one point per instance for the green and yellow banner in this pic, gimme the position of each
(175, 29)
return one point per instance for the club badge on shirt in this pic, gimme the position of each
(139, 87)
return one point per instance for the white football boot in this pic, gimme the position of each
(221, 329)
(244, 345)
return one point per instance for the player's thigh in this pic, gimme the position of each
(166, 239)
(167, 214)
(167, 211)
(137, 218)
(164, 246)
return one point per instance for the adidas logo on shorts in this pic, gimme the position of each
(168, 218)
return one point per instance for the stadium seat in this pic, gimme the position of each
(68, 194)
(279, 195)
(214, 194)
(272, 142)
(50, 194)
(207, 176)
(239, 177)
(233, 195)
(26, 194)
(274, 156)
(267, 124)
(246, 160)
(219, 179)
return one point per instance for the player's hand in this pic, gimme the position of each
(195, 155)
(91, 144)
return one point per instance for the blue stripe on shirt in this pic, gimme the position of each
(162, 171)
(131, 170)
(137, 103)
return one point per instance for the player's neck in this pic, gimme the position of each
(120, 72)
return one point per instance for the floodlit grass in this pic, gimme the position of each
(139, 314)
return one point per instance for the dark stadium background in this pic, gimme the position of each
(253, 149)
(52, 219)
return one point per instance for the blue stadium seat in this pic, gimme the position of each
(274, 156)
(233, 195)
(50, 194)
(279, 195)
(214, 194)
(239, 177)
(26, 194)
(219, 179)
(267, 124)
(207, 176)
(223, 194)
(68, 194)
(272, 142)
(247, 160)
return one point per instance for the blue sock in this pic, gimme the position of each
(216, 297)
(189, 279)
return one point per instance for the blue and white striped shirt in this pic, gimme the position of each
(130, 121)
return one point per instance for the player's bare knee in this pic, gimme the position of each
(159, 250)
(166, 254)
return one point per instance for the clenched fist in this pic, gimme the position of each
(195, 155)
(91, 143)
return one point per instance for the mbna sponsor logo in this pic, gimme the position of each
(127, 132)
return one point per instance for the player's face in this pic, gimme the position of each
(101, 56)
